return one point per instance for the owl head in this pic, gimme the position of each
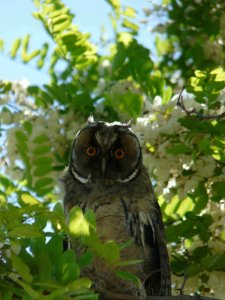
(105, 151)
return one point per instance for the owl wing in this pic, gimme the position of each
(147, 229)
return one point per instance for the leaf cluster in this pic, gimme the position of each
(193, 36)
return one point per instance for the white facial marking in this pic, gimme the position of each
(132, 176)
(80, 178)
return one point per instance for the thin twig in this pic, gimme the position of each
(181, 289)
(194, 112)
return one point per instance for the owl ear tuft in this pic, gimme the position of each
(130, 123)
(90, 119)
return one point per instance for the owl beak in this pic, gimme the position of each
(103, 166)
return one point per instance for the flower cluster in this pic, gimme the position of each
(178, 161)
(174, 156)
(56, 130)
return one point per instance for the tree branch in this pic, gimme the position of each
(180, 297)
(194, 112)
(117, 296)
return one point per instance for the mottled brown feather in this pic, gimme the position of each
(112, 224)
(122, 197)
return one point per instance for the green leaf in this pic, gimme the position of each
(25, 231)
(200, 74)
(42, 182)
(173, 206)
(193, 270)
(90, 217)
(40, 139)
(7, 184)
(44, 266)
(186, 205)
(15, 48)
(85, 259)
(178, 265)
(197, 126)
(3, 198)
(67, 270)
(58, 210)
(219, 74)
(200, 197)
(59, 19)
(43, 160)
(21, 136)
(79, 284)
(167, 94)
(58, 12)
(25, 44)
(44, 191)
(28, 199)
(61, 26)
(130, 25)
(199, 253)
(31, 292)
(43, 170)
(43, 55)
(23, 150)
(32, 55)
(179, 149)
(126, 244)
(110, 251)
(163, 46)
(78, 225)
(1, 45)
(54, 248)
(128, 276)
(129, 262)
(130, 105)
(88, 296)
(21, 267)
(129, 12)
(8, 296)
(218, 190)
(214, 262)
(115, 4)
(42, 150)
(28, 127)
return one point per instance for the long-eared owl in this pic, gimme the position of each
(106, 174)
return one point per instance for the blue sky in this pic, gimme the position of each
(16, 20)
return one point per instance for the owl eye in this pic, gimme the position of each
(91, 151)
(119, 153)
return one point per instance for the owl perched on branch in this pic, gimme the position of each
(106, 174)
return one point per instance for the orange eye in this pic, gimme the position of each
(119, 153)
(91, 151)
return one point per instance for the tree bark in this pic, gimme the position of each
(116, 296)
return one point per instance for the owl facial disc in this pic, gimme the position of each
(105, 152)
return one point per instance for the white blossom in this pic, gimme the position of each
(216, 283)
